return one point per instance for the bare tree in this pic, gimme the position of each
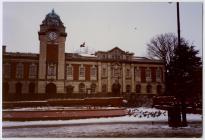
(162, 47)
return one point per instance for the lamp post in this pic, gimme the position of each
(183, 106)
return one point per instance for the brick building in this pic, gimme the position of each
(53, 73)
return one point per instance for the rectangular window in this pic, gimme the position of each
(82, 72)
(93, 71)
(148, 73)
(137, 72)
(158, 74)
(7, 71)
(69, 71)
(128, 73)
(32, 71)
(104, 72)
(51, 70)
(19, 71)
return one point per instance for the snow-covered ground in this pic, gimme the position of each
(141, 114)
(140, 122)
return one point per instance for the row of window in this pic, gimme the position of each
(82, 88)
(20, 71)
(69, 71)
(116, 72)
(51, 71)
(116, 55)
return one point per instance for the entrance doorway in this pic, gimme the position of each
(116, 89)
(51, 90)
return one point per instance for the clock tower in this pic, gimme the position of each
(52, 38)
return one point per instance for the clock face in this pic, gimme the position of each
(52, 35)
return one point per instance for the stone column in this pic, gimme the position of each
(109, 77)
(42, 61)
(61, 61)
(133, 78)
(42, 65)
(99, 77)
(123, 78)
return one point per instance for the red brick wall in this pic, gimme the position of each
(75, 71)
(87, 72)
(52, 53)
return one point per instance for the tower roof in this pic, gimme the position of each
(52, 19)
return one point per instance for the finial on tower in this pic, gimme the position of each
(53, 11)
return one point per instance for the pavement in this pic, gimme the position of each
(105, 130)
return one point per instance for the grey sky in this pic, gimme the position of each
(130, 26)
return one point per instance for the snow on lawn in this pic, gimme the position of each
(140, 114)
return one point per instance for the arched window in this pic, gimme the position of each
(149, 89)
(138, 88)
(128, 88)
(104, 88)
(93, 87)
(159, 89)
(81, 88)
(32, 88)
(69, 89)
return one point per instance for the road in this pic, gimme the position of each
(117, 129)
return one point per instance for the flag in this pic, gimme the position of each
(82, 45)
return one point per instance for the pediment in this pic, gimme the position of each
(116, 50)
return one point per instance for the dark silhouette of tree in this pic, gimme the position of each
(182, 69)
(183, 66)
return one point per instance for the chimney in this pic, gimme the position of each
(4, 48)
